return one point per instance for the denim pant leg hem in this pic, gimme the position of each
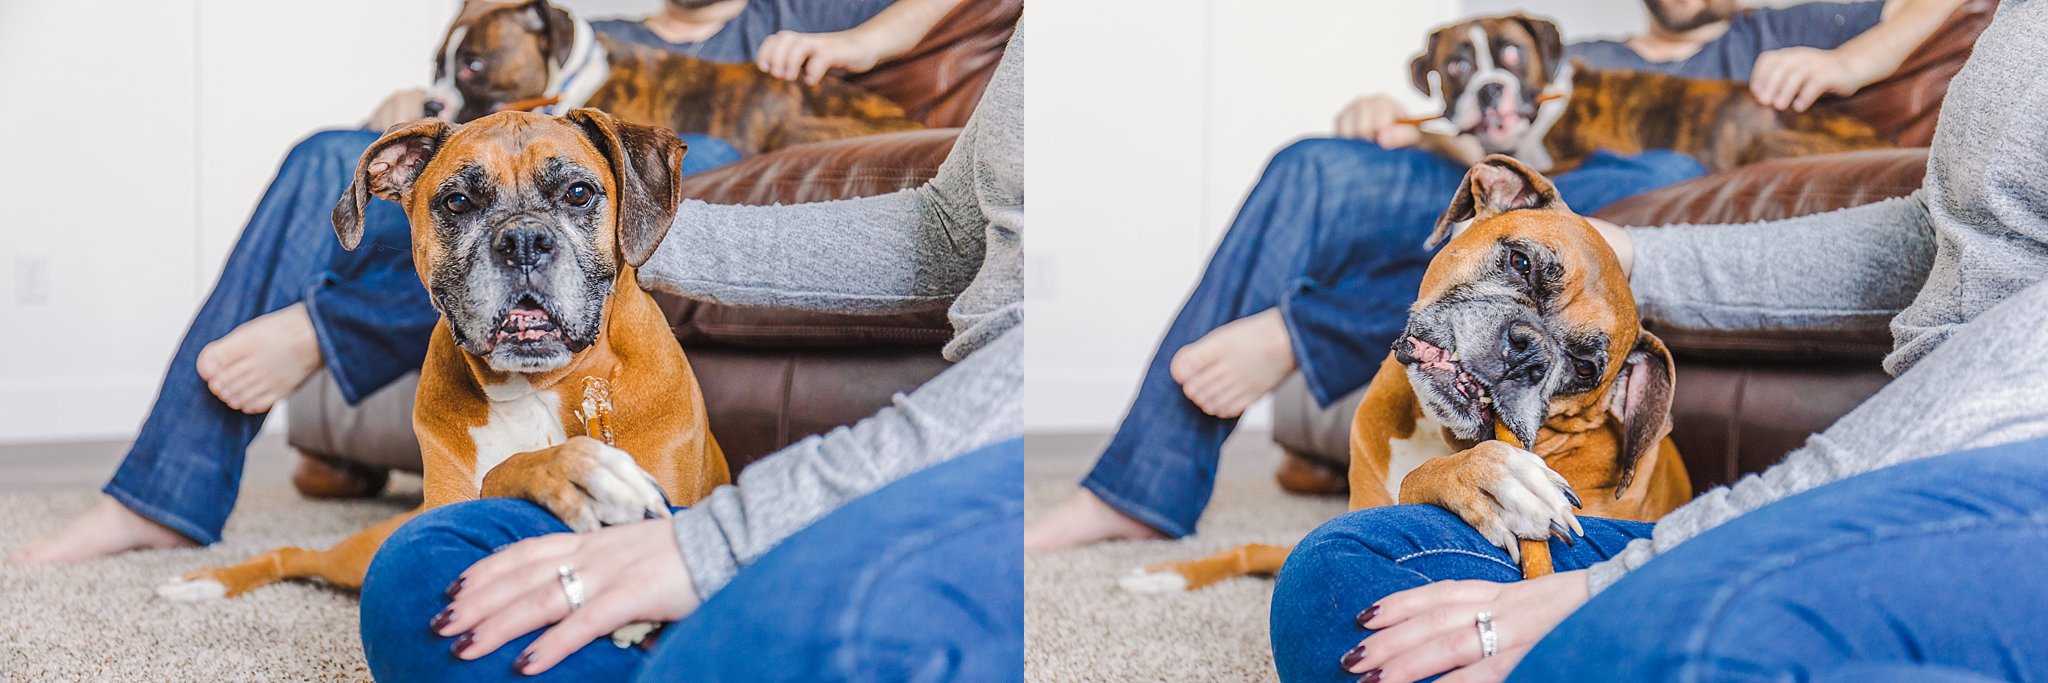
(330, 355)
(160, 515)
(1298, 344)
(1150, 518)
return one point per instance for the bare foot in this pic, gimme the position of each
(1229, 368)
(263, 361)
(106, 528)
(1083, 519)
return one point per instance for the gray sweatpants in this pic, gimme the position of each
(1955, 270)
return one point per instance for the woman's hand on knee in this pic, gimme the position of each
(1433, 629)
(629, 573)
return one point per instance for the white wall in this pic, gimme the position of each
(1143, 142)
(138, 139)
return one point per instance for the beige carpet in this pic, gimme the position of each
(101, 621)
(1079, 626)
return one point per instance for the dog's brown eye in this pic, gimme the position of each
(1458, 67)
(1584, 367)
(579, 194)
(1520, 262)
(457, 203)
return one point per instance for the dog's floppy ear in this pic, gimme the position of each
(554, 25)
(1641, 400)
(387, 170)
(1497, 184)
(1418, 68)
(647, 163)
(1549, 43)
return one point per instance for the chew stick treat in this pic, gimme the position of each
(530, 104)
(1419, 120)
(596, 411)
(1535, 554)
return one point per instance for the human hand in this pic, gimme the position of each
(1794, 77)
(1424, 631)
(399, 107)
(631, 573)
(1377, 117)
(790, 55)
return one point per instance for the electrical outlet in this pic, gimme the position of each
(32, 280)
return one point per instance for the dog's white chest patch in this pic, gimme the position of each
(521, 419)
(1408, 454)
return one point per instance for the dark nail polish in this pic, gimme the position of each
(1367, 615)
(456, 587)
(1351, 658)
(440, 620)
(519, 665)
(1372, 676)
(462, 642)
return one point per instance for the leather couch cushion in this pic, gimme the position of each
(761, 400)
(1774, 190)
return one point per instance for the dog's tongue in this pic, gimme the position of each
(1430, 356)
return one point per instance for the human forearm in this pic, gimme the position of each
(899, 27)
(1878, 52)
(888, 253)
(1973, 391)
(1853, 268)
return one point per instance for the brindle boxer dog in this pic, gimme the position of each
(517, 55)
(1525, 332)
(552, 376)
(1507, 89)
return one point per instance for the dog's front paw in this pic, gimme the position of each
(584, 482)
(1504, 492)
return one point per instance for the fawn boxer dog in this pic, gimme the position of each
(551, 375)
(1524, 386)
(521, 55)
(1506, 89)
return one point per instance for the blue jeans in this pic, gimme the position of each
(922, 580)
(1929, 570)
(370, 314)
(1352, 561)
(1332, 237)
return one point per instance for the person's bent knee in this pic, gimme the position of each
(1349, 563)
(407, 580)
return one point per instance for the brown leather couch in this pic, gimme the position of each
(1745, 399)
(769, 376)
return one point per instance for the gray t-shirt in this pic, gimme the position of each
(742, 35)
(1751, 32)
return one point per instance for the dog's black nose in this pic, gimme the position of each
(1490, 93)
(524, 246)
(432, 108)
(1521, 349)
